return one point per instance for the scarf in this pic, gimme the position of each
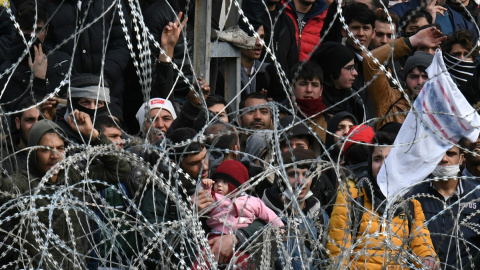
(311, 106)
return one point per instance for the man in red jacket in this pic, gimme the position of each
(308, 17)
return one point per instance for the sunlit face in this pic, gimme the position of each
(48, 157)
(115, 135)
(305, 89)
(255, 116)
(348, 74)
(383, 34)
(219, 109)
(297, 178)
(415, 81)
(295, 142)
(221, 187)
(91, 103)
(195, 164)
(161, 119)
(452, 157)
(460, 52)
(256, 52)
(363, 32)
(379, 155)
(26, 122)
(342, 129)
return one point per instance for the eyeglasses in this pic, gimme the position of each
(351, 68)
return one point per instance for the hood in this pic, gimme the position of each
(333, 124)
(318, 7)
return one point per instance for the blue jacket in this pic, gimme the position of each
(446, 239)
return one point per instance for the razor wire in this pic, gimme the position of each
(74, 226)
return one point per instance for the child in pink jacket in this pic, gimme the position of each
(231, 214)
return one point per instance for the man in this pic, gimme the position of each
(472, 158)
(460, 56)
(218, 106)
(363, 222)
(455, 241)
(49, 173)
(111, 129)
(361, 23)
(251, 67)
(155, 117)
(384, 30)
(388, 101)
(297, 135)
(13, 159)
(223, 142)
(308, 17)
(413, 20)
(254, 112)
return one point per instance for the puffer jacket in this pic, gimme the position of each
(308, 31)
(389, 102)
(106, 35)
(55, 210)
(371, 245)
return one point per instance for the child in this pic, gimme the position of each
(231, 214)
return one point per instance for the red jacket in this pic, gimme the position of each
(308, 36)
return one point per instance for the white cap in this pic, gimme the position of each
(155, 103)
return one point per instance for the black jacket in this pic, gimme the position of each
(452, 230)
(106, 33)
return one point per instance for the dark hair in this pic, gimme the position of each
(463, 37)
(23, 104)
(225, 135)
(106, 121)
(377, 4)
(299, 154)
(182, 135)
(382, 16)
(256, 95)
(307, 70)
(383, 138)
(415, 15)
(357, 153)
(359, 12)
(26, 14)
(214, 99)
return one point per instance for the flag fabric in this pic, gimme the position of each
(439, 118)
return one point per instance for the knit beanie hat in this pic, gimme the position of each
(232, 171)
(89, 86)
(360, 133)
(39, 129)
(154, 103)
(418, 59)
(332, 57)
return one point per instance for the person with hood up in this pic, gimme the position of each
(339, 73)
(337, 128)
(57, 229)
(289, 199)
(357, 217)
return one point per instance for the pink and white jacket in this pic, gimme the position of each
(232, 214)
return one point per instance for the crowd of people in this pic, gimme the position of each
(114, 155)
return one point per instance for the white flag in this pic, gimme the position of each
(439, 118)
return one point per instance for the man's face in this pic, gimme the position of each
(46, 158)
(297, 179)
(460, 52)
(430, 50)
(383, 34)
(196, 163)
(161, 119)
(379, 155)
(451, 157)
(115, 135)
(475, 148)
(255, 117)
(219, 109)
(363, 32)
(255, 53)
(415, 81)
(295, 142)
(308, 89)
(412, 27)
(91, 103)
(342, 129)
(26, 122)
(347, 76)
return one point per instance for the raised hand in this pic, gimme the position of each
(201, 87)
(40, 64)
(49, 107)
(433, 9)
(170, 36)
(428, 37)
(81, 122)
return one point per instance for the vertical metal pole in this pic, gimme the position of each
(201, 52)
(233, 64)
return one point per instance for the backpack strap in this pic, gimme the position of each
(410, 214)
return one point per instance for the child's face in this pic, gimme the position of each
(221, 187)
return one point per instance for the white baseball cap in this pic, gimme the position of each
(155, 103)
